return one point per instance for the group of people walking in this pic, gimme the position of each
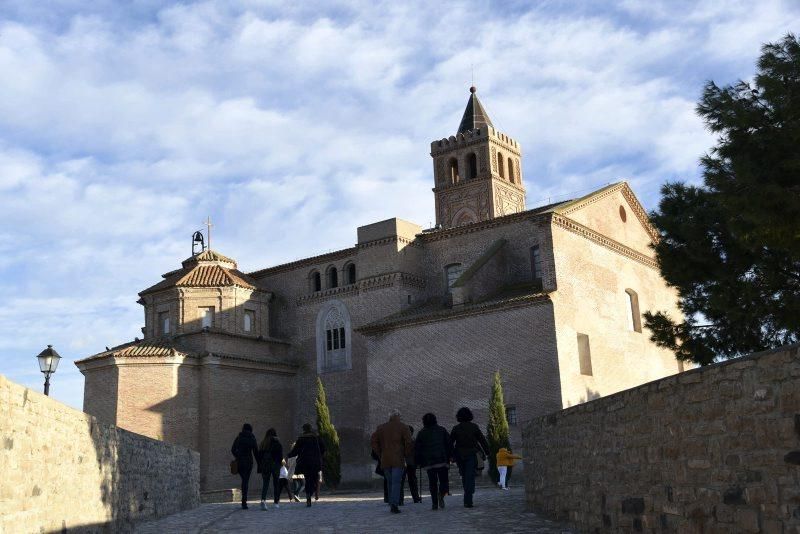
(394, 448)
(398, 456)
(301, 467)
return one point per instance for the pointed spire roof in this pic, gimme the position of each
(474, 116)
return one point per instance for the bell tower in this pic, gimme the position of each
(477, 171)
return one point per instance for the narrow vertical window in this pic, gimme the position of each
(249, 320)
(329, 335)
(316, 281)
(536, 264)
(163, 322)
(454, 177)
(510, 170)
(584, 355)
(207, 316)
(500, 170)
(333, 277)
(452, 272)
(351, 273)
(341, 337)
(634, 317)
(472, 166)
(511, 415)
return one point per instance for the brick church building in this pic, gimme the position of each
(412, 318)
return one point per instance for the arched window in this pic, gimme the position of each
(333, 338)
(510, 170)
(454, 177)
(315, 281)
(472, 166)
(500, 170)
(634, 317)
(350, 273)
(333, 277)
(451, 274)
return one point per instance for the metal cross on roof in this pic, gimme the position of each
(208, 226)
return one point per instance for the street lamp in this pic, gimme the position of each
(48, 362)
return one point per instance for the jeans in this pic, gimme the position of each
(245, 474)
(467, 467)
(394, 476)
(503, 470)
(438, 484)
(273, 473)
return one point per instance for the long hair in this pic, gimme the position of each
(267, 441)
(464, 414)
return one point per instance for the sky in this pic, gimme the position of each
(123, 125)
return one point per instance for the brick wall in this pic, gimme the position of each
(714, 449)
(62, 469)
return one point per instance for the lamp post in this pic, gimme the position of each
(48, 362)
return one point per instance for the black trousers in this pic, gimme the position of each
(244, 472)
(274, 474)
(311, 484)
(413, 485)
(438, 483)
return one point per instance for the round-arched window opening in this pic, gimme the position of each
(622, 214)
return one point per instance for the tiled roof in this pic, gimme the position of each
(436, 310)
(153, 348)
(208, 255)
(203, 271)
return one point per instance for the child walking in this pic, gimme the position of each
(505, 460)
(284, 483)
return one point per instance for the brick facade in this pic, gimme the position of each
(410, 329)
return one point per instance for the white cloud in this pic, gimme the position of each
(123, 125)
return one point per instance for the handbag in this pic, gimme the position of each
(234, 467)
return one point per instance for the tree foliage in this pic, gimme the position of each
(332, 459)
(731, 247)
(497, 427)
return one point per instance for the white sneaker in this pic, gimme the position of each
(264, 506)
(505, 489)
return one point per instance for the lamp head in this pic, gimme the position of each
(48, 360)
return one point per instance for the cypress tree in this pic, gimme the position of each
(497, 427)
(332, 459)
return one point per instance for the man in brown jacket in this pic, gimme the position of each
(392, 444)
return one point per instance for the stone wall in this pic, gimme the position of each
(714, 449)
(62, 469)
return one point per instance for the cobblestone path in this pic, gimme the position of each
(495, 511)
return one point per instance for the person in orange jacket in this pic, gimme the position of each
(505, 460)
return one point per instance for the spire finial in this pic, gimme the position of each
(472, 89)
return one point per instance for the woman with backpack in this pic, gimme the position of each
(309, 450)
(270, 454)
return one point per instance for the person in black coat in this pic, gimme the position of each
(245, 450)
(432, 452)
(309, 450)
(270, 455)
(467, 441)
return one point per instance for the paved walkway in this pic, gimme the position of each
(495, 511)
